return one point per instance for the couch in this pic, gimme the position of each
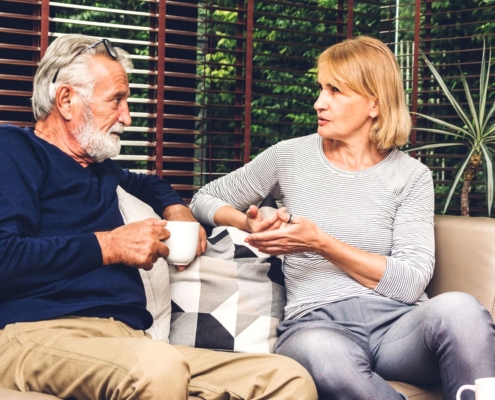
(465, 261)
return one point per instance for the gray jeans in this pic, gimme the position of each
(352, 346)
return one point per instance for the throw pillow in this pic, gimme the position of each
(156, 281)
(231, 298)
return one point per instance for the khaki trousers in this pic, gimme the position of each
(95, 358)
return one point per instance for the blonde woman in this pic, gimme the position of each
(357, 231)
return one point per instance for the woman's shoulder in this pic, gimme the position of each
(298, 145)
(404, 160)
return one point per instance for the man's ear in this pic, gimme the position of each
(64, 101)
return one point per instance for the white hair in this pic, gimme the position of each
(63, 58)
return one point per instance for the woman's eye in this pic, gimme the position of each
(334, 89)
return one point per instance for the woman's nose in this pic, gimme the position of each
(320, 102)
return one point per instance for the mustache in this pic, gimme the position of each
(118, 127)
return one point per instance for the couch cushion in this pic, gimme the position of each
(232, 298)
(156, 281)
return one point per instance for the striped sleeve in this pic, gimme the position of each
(411, 262)
(245, 186)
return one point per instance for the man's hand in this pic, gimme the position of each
(137, 245)
(178, 212)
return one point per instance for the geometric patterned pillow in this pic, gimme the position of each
(232, 298)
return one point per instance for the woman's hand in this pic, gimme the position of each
(298, 236)
(255, 222)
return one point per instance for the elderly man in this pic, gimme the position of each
(72, 304)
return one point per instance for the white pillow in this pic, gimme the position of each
(156, 281)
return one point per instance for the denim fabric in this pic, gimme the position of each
(352, 346)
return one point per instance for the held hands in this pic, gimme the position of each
(298, 236)
(256, 223)
(137, 245)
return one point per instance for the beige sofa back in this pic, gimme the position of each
(465, 258)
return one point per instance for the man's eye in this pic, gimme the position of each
(334, 89)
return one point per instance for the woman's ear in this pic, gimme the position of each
(375, 109)
(64, 101)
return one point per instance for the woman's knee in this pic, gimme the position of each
(458, 307)
(325, 353)
(458, 319)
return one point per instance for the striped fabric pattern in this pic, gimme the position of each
(386, 209)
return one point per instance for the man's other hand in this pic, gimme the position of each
(137, 245)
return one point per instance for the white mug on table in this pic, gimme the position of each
(484, 389)
(183, 241)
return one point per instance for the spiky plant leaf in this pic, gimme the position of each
(460, 111)
(445, 124)
(446, 133)
(430, 146)
(471, 106)
(489, 115)
(488, 167)
(484, 78)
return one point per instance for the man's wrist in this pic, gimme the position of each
(178, 212)
(108, 255)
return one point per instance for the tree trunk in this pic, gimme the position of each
(465, 198)
(471, 169)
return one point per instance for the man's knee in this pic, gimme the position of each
(159, 370)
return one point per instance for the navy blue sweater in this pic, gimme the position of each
(50, 259)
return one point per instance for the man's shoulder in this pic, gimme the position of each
(12, 131)
(12, 137)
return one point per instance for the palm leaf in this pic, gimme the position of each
(488, 173)
(431, 130)
(431, 146)
(471, 105)
(484, 77)
(490, 130)
(489, 115)
(457, 178)
(449, 95)
(445, 124)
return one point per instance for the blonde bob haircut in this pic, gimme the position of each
(369, 68)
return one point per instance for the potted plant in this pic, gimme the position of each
(477, 134)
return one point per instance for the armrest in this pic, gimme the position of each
(465, 258)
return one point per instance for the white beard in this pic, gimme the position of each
(97, 144)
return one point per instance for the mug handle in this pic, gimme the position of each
(463, 388)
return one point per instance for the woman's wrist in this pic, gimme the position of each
(322, 242)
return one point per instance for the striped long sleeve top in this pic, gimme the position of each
(386, 209)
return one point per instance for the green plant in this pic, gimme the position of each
(477, 134)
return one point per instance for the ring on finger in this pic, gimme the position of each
(290, 219)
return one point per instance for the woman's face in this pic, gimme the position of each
(343, 114)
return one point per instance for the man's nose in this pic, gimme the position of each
(124, 114)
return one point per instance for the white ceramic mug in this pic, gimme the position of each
(484, 389)
(183, 241)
